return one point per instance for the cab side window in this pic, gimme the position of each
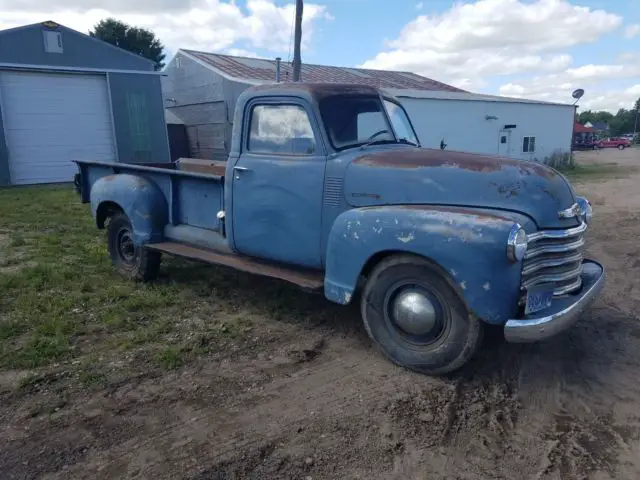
(280, 130)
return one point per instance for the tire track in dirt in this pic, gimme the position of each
(516, 408)
(338, 383)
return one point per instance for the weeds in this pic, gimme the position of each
(577, 172)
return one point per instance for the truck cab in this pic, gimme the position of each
(327, 186)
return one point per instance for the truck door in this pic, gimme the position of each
(277, 183)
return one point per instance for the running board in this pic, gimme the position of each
(305, 278)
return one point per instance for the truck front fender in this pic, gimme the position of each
(140, 199)
(469, 245)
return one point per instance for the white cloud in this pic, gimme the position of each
(612, 100)
(558, 88)
(494, 37)
(210, 25)
(628, 57)
(632, 31)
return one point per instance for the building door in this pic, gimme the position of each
(51, 119)
(504, 138)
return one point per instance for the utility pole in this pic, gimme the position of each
(297, 40)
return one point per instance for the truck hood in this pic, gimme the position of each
(399, 176)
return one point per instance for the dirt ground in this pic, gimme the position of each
(318, 402)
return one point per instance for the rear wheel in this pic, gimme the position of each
(620, 147)
(416, 317)
(134, 262)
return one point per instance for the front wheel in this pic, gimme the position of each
(134, 262)
(620, 147)
(416, 317)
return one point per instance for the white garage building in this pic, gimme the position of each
(511, 127)
(67, 96)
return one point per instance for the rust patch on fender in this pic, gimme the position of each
(460, 210)
(425, 158)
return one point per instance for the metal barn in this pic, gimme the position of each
(202, 88)
(66, 96)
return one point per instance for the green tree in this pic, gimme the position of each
(137, 40)
(624, 121)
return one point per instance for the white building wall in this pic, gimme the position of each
(464, 126)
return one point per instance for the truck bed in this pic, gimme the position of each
(193, 197)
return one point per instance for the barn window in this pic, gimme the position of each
(52, 41)
(529, 144)
(139, 126)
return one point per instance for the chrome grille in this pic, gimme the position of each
(554, 256)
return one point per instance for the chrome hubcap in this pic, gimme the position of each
(414, 313)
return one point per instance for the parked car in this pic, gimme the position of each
(619, 143)
(327, 187)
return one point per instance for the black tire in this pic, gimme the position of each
(136, 263)
(451, 342)
(620, 147)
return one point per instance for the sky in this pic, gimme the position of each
(538, 49)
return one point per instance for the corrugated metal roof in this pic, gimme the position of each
(263, 70)
(443, 95)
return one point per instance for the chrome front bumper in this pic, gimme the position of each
(563, 312)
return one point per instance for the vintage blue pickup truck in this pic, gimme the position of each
(327, 187)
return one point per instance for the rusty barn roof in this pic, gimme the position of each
(260, 70)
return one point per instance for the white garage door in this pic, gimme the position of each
(51, 119)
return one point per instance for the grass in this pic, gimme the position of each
(61, 299)
(63, 307)
(578, 172)
(170, 358)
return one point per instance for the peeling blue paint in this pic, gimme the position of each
(470, 245)
(141, 200)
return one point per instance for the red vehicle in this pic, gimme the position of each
(619, 143)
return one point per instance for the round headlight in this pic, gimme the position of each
(516, 244)
(586, 211)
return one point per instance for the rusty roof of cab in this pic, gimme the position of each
(313, 91)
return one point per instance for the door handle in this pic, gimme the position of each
(240, 169)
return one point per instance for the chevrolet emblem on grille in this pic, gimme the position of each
(572, 211)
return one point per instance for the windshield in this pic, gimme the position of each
(355, 120)
(400, 121)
